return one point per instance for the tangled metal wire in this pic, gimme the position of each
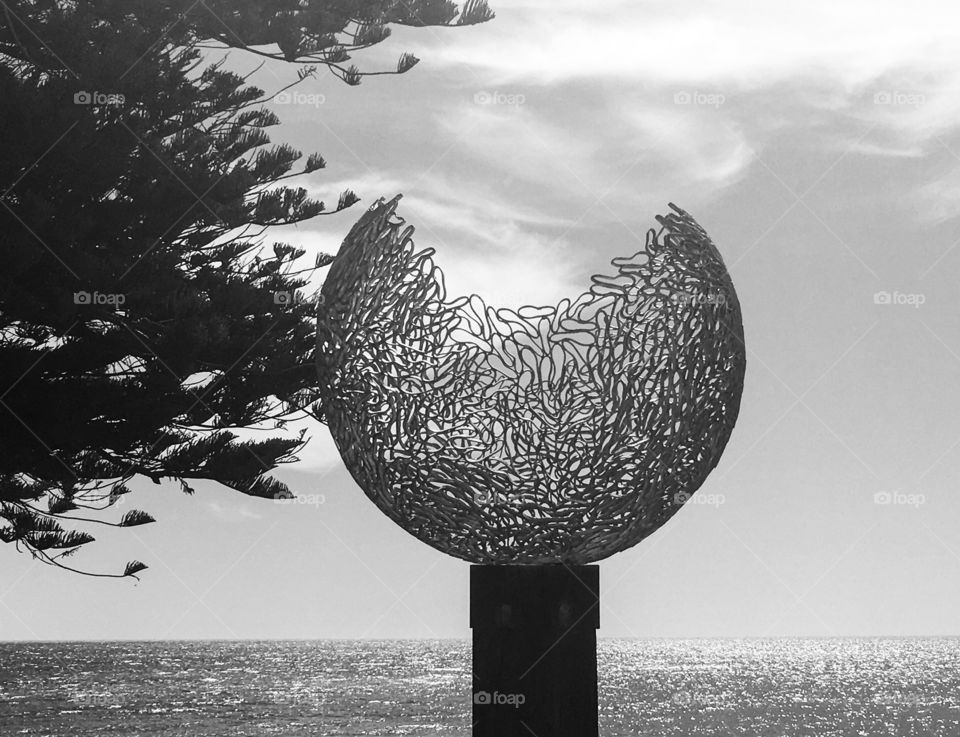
(541, 435)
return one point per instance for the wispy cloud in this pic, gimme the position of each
(696, 147)
(749, 43)
(939, 199)
(486, 242)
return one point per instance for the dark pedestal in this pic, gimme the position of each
(534, 650)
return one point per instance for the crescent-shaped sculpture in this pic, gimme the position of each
(543, 435)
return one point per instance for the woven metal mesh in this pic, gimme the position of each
(538, 435)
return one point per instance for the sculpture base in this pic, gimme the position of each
(534, 650)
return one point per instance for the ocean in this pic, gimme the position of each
(753, 688)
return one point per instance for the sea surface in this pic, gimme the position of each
(761, 688)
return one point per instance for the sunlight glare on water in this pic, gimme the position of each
(761, 688)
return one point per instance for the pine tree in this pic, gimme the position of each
(143, 317)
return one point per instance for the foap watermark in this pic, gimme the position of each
(905, 299)
(99, 298)
(485, 698)
(85, 699)
(708, 500)
(95, 99)
(701, 99)
(509, 99)
(900, 699)
(899, 499)
(297, 699)
(306, 500)
(698, 298)
(700, 700)
(485, 498)
(898, 98)
(288, 299)
(292, 97)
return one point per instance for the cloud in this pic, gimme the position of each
(579, 146)
(566, 103)
(697, 148)
(938, 200)
(538, 141)
(893, 150)
(748, 43)
(487, 243)
(524, 186)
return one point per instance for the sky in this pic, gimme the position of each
(818, 144)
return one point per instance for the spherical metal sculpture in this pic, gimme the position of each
(540, 435)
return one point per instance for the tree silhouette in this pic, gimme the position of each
(143, 315)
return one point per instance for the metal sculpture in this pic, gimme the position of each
(540, 435)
